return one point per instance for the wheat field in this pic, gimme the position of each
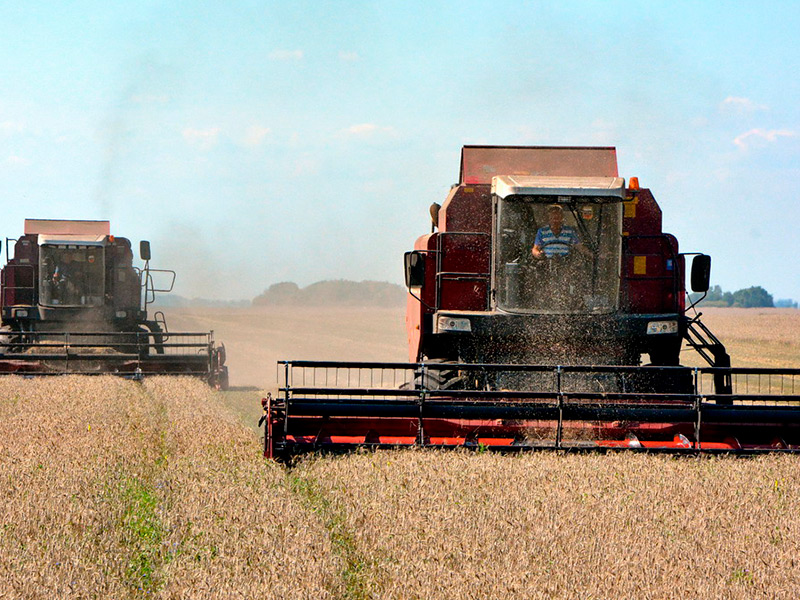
(116, 489)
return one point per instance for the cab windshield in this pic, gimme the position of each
(71, 275)
(576, 265)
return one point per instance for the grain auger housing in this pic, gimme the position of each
(546, 309)
(72, 302)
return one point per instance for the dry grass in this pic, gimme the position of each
(256, 338)
(116, 489)
(755, 337)
(459, 525)
(236, 527)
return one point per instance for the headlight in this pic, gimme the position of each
(121, 314)
(454, 324)
(20, 312)
(656, 327)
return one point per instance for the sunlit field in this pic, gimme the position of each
(757, 337)
(112, 488)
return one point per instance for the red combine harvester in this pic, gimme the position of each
(73, 303)
(543, 284)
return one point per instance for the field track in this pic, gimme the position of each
(117, 489)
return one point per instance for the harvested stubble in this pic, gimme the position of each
(455, 525)
(116, 489)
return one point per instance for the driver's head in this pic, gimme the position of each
(555, 215)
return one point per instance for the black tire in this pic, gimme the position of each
(436, 379)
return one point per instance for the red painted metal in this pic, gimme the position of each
(458, 261)
(480, 163)
(306, 433)
(134, 344)
(466, 216)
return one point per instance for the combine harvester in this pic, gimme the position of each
(73, 303)
(545, 281)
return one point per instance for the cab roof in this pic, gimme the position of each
(63, 226)
(611, 188)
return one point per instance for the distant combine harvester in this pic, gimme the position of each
(72, 302)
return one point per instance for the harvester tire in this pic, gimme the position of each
(438, 379)
(6, 335)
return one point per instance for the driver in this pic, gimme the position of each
(555, 238)
(64, 286)
(63, 270)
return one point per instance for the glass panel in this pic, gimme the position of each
(71, 275)
(579, 253)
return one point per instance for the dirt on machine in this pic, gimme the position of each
(547, 308)
(73, 302)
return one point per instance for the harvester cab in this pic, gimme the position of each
(557, 245)
(546, 309)
(73, 302)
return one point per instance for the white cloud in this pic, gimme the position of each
(286, 55)
(739, 104)
(348, 56)
(205, 139)
(745, 140)
(368, 130)
(255, 135)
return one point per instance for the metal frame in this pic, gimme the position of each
(353, 410)
(127, 354)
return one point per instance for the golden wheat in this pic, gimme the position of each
(66, 446)
(117, 489)
(239, 530)
(110, 488)
(550, 526)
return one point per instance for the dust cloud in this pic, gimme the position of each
(256, 338)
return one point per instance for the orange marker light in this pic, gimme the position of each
(111, 239)
(633, 183)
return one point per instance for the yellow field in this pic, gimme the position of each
(757, 337)
(258, 337)
(117, 489)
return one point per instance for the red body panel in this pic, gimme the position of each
(652, 270)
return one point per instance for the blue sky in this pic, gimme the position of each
(258, 142)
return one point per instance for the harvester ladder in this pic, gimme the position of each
(713, 352)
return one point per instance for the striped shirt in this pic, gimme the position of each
(556, 245)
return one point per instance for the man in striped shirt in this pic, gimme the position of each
(556, 239)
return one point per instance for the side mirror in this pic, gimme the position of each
(415, 269)
(435, 208)
(701, 272)
(144, 250)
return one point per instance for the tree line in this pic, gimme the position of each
(752, 297)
